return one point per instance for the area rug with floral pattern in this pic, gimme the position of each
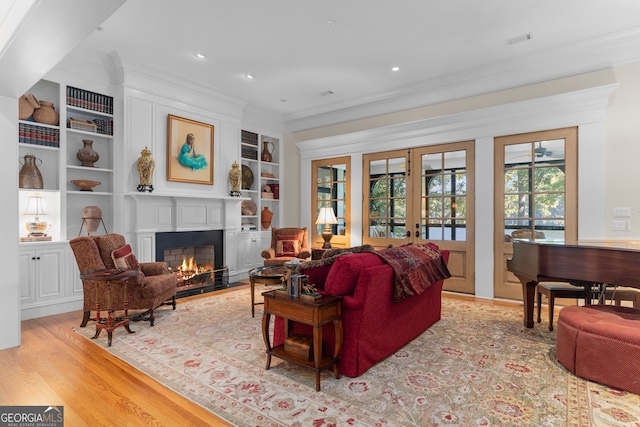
(477, 366)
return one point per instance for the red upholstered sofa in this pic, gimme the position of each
(375, 327)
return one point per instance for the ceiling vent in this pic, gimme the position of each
(519, 39)
(326, 93)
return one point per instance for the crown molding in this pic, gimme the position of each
(582, 56)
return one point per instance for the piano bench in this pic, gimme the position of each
(601, 343)
(565, 290)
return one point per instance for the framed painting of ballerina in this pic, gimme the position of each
(189, 151)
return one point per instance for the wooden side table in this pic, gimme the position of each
(267, 275)
(106, 277)
(313, 313)
(316, 253)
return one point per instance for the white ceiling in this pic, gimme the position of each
(296, 55)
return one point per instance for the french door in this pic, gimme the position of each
(424, 194)
(536, 196)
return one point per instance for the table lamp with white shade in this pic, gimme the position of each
(36, 207)
(328, 218)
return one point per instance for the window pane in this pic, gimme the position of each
(461, 184)
(455, 159)
(516, 180)
(435, 207)
(461, 207)
(399, 187)
(340, 190)
(398, 208)
(431, 162)
(549, 205)
(516, 206)
(436, 186)
(377, 210)
(549, 179)
(378, 188)
(518, 154)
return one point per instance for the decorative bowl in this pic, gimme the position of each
(85, 184)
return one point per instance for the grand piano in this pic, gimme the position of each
(580, 263)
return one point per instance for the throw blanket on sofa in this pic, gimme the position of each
(416, 268)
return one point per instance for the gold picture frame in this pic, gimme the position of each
(189, 151)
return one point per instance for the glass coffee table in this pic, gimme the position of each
(268, 275)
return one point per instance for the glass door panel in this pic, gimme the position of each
(331, 179)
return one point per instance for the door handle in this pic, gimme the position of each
(417, 234)
(408, 234)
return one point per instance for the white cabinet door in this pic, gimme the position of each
(44, 284)
(26, 263)
(252, 246)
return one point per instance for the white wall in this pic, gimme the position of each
(9, 286)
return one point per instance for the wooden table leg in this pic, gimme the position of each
(337, 326)
(253, 297)
(317, 352)
(266, 318)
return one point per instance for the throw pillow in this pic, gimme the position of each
(124, 259)
(287, 245)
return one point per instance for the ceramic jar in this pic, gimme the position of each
(30, 176)
(265, 218)
(46, 114)
(87, 155)
(91, 217)
(26, 106)
(267, 151)
(146, 165)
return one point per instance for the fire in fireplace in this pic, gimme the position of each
(196, 258)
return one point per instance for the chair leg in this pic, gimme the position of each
(552, 298)
(539, 305)
(85, 318)
(173, 302)
(151, 317)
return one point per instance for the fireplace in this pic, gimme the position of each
(196, 257)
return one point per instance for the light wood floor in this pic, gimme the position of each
(56, 366)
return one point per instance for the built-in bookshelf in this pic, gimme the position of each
(260, 175)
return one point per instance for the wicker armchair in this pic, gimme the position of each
(152, 287)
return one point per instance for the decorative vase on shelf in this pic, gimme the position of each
(267, 151)
(146, 165)
(30, 176)
(265, 218)
(91, 217)
(26, 106)
(87, 155)
(46, 114)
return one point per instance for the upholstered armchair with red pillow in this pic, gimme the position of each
(153, 286)
(286, 244)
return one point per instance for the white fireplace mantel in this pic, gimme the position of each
(147, 214)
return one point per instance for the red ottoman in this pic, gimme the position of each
(601, 343)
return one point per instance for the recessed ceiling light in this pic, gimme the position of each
(395, 69)
(330, 22)
(250, 76)
(200, 55)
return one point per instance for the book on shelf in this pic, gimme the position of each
(81, 98)
(38, 135)
(35, 239)
(248, 226)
